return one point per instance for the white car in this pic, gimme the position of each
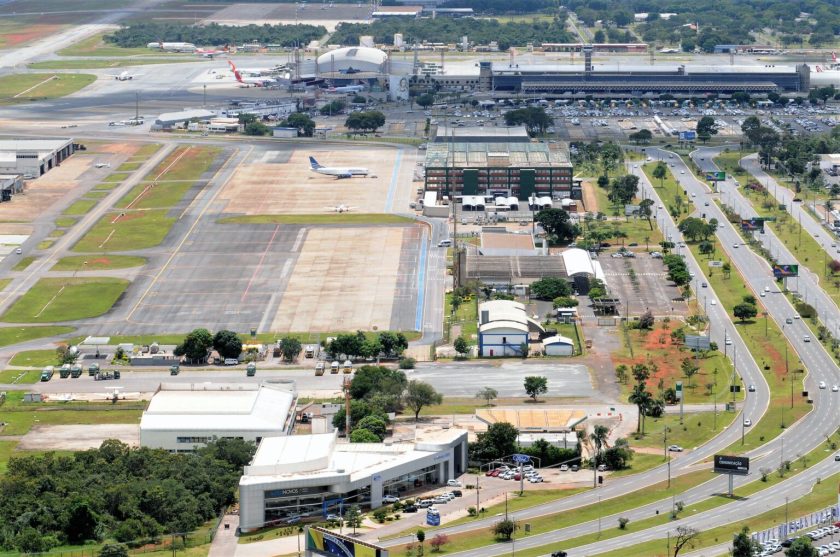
(682, 171)
(388, 499)
(564, 468)
(535, 479)
(675, 449)
(822, 384)
(713, 302)
(834, 388)
(735, 245)
(747, 422)
(18, 251)
(453, 483)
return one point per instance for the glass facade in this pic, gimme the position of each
(283, 504)
(408, 482)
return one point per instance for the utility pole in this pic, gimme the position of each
(137, 105)
(347, 406)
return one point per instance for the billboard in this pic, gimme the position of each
(323, 542)
(690, 135)
(698, 342)
(785, 271)
(716, 176)
(752, 224)
(736, 465)
(432, 519)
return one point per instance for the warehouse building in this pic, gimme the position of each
(172, 120)
(504, 327)
(10, 184)
(509, 169)
(314, 475)
(182, 417)
(33, 157)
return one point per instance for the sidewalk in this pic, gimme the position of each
(225, 540)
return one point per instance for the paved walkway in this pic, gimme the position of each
(225, 542)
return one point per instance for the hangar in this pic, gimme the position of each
(313, 475)
(181, 417)
(503, 327)
(33, 157)
(355, 62)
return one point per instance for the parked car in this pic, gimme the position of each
(410, 508)
(388, 499)
(564, 468)
(535, 479)
(453, 483)
(457, 493)
(675, 449)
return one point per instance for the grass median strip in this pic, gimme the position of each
(98, 262)
(34, 358)
(80, 207)
(64, 299)
(93, 64)
(21, 88)
(14, 335)
(24, 263)
(329, 218)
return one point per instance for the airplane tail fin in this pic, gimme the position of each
(314, 163)
(833, 56)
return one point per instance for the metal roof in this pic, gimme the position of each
(507, 154)
(39, 145)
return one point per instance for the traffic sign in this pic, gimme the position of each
(521, 458)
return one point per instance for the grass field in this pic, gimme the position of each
(34, 358)
(95, 45)
(154, 196)
(95, 64)
(62, 299)
(116, 177)
(4, 283)
(98, 263)
(45, 244)
(328, 218)
(14, 335)
(20, 377)
(673, 196)
(136, 230)
(24, 263)
(184, 163)
(465, 317)
(22, 88)
(65, 222)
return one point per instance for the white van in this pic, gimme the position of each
(231, 361)
(445, 244)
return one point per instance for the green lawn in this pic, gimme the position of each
(80, 207)
(730, 162)
(696, 429)
(328, 218)
(145, 151)
(24, 263)
(129, 166)
(184, 164)
(154, 196)
(96, 46)
(116, 177)
(135, 230)
(673, 196)
(466, 316)
(63, 299)
(45, 244)
(20, 377)
(21, 88)
(65, 222)
(20, 421)
(93, 64)
(98, 263)
(57, 233)
(4, 283)
(34, 358)
(104, 187)
(624, 232)
(95, 195)
(14, 335)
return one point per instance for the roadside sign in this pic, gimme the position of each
(689, 135)
(752, 224)
(716, 176)
(715, 263)
(521, 458)
(432, 519)
(698, 342)
(785, 271)
(679, 390)
(736, 465)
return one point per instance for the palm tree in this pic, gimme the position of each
(599, 438)
(642, 399)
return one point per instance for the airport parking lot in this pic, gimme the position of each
(641, 284)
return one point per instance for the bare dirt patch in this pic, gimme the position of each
(127, 149)
(77, 437)
(30, 33)
(270, 188)
(46, 190)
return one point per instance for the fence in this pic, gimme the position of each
(816, 519)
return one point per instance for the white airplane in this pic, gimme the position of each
(103, 165)
(210, 52)
(347, 89)
(252, 81)
(124, 76)
(339, 173)
(341, 208)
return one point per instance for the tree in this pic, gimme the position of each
(549, 288)
(425, 100)
(365, 122)
(565, 302)
(353, 518)
(369, 381)
(745, 311)
(689, 368)
(438, 541)
(536, 385)
(257, 129)
(304, 124)
(504, 529)
(750, 128)
(706, 247)
(646, 321)
(623, 189)
(334, 107)
(621, 373)
(645, 212)
(196, 345)
(660, 171)
(641, 373)
(227, 344)
(461, 346)
(498, 441)
(684, 537)
(419, 395)
(556, 222)
(375, 425)
(706, 128)
(611, 156)
(599, 437)
(801, 547)
(534, 118)
(113, 550)
(83, 522)
(599, 36)
(641, 136)
(642, 399)
(488, 394)
(743, 545)
(290, 348)
(362, 435)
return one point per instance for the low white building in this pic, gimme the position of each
(33, 157)
(503, 327)
(558, 346)
(182, 417)
(315, 475)
(581, 267)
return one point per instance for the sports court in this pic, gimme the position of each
(353, 278)
(280, 182)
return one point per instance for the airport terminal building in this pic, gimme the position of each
(315, 475)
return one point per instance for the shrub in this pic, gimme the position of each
(407, 363)
(622, 523)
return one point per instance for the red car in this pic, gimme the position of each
(496, 472)
(517, 477)
(489, 473)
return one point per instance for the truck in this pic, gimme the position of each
(93, 369)
(251, 370)
(64, 371)
(319, 369)
(309, 351)
(75, 371)
(47, 373)
(174, 369)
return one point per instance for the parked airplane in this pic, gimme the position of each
(251, 81)
(124, 76)
(210, 52)
(172, 47)
(341, 208)
(103, 165)
(347, 89)
(339, 173)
